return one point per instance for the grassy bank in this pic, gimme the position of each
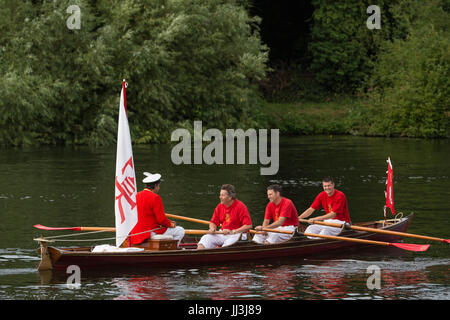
(333, 116)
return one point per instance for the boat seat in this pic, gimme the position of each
(162, 237)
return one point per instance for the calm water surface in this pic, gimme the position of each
(74, 186)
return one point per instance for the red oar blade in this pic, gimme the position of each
(411, 246)
(39, 226)
(447, 240)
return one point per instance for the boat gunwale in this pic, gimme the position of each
(244, 247)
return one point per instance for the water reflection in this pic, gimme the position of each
(415, 278)
(150, 287)
(329, 284)
(279, 282)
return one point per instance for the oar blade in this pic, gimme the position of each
(411, 246)
(40, 226)
(447, 240)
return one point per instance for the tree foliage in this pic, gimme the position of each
(183, 60)
(411, 80)
(188, 60)
(343, 48)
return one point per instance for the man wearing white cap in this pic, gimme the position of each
(151, 214)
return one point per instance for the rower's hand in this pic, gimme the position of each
(226, 231)
(211, 230)
(311, 221)
(260, 229)
(173, 224)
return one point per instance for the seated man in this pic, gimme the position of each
(151, 215)
(284, 215)
(234, 217)
(334, 203)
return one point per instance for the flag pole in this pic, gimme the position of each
(125, 207)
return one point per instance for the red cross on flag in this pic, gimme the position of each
(125, 194)
(389, 189)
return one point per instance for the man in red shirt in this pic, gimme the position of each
(284, 215)
(232, 215)
(334, 203)
(151, 216)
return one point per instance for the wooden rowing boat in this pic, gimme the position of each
(299, 246)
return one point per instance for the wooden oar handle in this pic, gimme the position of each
(198, 232)
(382, 231)
(278, 231)
(174, 216)
(329, 224)
(110, 229)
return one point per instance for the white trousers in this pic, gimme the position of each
(273, 237)
(177, 233)
(324, 230)
(217, 239)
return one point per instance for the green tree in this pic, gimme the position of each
(52, 75)
(411, 79)
(184, 60)
(188, 60)
(343, 49)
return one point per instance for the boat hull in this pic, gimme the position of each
(243, 251)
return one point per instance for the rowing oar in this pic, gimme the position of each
(39, 226)
(194, 231)
(396, 233)
(404, 246)
(174, 216)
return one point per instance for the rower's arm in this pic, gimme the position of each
(330, 215)
(242, 229)
(212, 227)
(277, 223)
(307, 213)
(266, 222)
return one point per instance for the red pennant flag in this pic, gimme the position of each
(389, 189)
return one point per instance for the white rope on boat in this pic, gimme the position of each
(92, 232)
(399, 216)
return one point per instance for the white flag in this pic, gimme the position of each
(125, 182)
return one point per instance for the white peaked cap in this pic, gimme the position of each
(149, 178)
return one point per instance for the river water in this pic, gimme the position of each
(74, 187)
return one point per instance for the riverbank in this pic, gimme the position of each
(339, 115)
(333, 116)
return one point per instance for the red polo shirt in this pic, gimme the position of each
(150, 216)
(232, 217)
(284, 209)
(336, 203)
